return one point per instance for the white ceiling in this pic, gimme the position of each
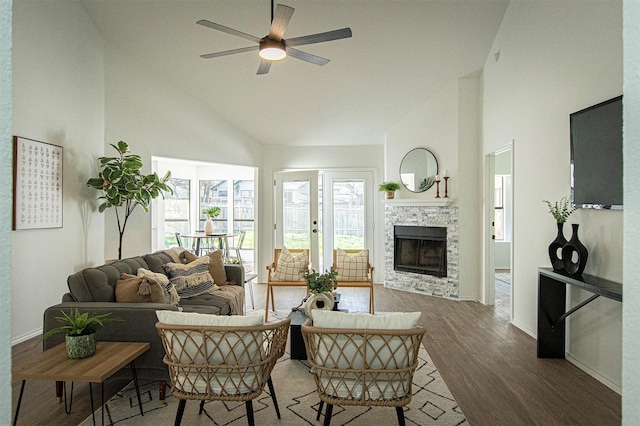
(401, 53)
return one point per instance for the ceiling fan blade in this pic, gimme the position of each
(227, 30)
(308, 57)
(320, 37)
(281, 19)
(264, 67)
(229, 52)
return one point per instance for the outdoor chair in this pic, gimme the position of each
(221, 363)
(362, 366)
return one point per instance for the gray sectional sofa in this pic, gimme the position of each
(93, 290)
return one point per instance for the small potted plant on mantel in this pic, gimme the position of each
(321, 287)
(389, 188)
(80, 331)
(211, 212)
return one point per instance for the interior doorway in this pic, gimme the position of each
(499, 288)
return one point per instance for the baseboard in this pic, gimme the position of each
(525, 329)
(26, 337)
(608, 383)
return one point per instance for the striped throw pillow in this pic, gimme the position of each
(191, 279)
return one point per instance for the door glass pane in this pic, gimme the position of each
(176, 211)
(243, 220)
(296, 214)
(213, 193)
(348, 214)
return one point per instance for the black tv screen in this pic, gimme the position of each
(596, 156)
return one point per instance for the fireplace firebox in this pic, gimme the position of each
(420, 249)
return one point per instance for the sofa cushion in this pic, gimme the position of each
(290, 267)
(191, 279)
(134, 289)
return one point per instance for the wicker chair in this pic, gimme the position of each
(363, 367)
(212, 363)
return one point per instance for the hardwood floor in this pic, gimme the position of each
(490, 366)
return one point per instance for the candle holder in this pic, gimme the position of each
(437, 188)
(446, 186)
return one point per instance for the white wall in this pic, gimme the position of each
(556, 58)
(5, 210)
(58, 97)
(448, 125)
(631, 315)
(157, 119)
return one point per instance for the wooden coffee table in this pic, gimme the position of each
(54, 364)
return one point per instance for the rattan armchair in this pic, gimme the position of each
(363, 367)
(213, 363)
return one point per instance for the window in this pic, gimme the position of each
(176, 211)
(243, 216)
(348, 214)
(498, 202)
(213, 193)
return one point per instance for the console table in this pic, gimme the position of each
(552, 291)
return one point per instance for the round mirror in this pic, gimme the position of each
(418, 170)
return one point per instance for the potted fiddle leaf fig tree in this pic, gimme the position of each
(124, 187)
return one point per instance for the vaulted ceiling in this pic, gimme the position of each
(401, 53)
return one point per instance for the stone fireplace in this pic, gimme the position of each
(421, 247)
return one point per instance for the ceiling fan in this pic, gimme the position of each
(273, 47)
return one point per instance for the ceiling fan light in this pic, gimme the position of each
(272, 50)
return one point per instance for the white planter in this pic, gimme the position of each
(208, 226)
(323, 301)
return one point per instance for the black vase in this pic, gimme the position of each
(574, 254)
(556, 246)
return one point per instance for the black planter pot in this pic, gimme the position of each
(574, 254)
(555, 247)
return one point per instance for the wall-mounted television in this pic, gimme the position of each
(596, 156)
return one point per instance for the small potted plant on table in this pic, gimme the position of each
(81, 332)
(321, 287)
(211, 212)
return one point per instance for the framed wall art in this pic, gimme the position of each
(37, 184)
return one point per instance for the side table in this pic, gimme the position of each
(54, 364)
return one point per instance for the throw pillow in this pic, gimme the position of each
(354, 267)
(194, 318)
(389, 321)
(132, 289)
(188, 257)
(191, 279)
(289, 267)
(171, 293)
(216, 268)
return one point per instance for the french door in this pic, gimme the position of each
(297, 221)
(323, 210)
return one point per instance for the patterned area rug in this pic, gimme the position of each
(432, 403)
